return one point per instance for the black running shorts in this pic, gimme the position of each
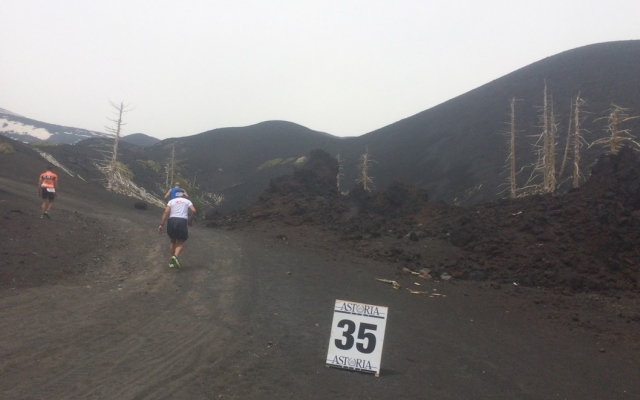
(47, 194)
(177, 229)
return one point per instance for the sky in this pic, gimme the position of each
(341, 67)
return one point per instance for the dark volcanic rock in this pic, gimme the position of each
(584, 240)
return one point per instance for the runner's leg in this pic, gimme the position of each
(178, 247)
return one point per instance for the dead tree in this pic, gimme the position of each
(365, 165)
(340, 169)
(116, 129)
(211, 199)
(617, 136)
(567, 141)
(574, 140)
(529, 187)
(511, 159)
(551, 150)
(577, 140)
(546, 149)
(170, 167)
(545, 141)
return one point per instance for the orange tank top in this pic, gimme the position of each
(48, 179)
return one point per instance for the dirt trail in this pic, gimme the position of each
(248, 317)
(127, 328)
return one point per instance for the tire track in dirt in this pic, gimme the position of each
(133, 329)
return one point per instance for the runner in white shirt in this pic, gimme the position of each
(177, 212)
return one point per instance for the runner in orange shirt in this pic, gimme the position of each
(47, 189)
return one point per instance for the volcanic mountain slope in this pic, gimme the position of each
(81, 163)
(457, 146)
(22, 163)
(30, 131)
(585, 240)
(454, 151)
(239, 162)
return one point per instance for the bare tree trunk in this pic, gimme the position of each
(617, 136)
(166, 177)
(340, 168)
(512, 151)
(116, 130)
(173, 161)
(614, 143)
(365, 179)
(545, 141)
(112, 164)
(553, 129)
(568, 141)
(169, 168)
(576, 142)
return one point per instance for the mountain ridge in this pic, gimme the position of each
(454, 150)
(29, 130)
(140, 139)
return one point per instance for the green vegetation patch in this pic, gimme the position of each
(270, 163)
(150, 164)
(6, 148)
(45, 144)
(124, 170)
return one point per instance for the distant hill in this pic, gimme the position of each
(140, 139)
(27, 130)
(239, 162)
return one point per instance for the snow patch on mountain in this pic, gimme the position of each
(17, 128)
(28, 130)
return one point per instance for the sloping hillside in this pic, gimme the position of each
(581, 241)
(454, 150)
(29, 130)
(239, 162)
(457, 145)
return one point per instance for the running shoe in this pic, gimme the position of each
(42, 216)
(175, 261)
(46, 214)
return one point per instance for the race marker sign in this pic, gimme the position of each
(357, 335)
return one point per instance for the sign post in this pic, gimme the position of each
(357, 335)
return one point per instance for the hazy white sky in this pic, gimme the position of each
(342, 67)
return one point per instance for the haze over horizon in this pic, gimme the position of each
(344, 68)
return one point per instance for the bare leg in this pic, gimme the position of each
(45, 204)
(178, 247)
(172, 248)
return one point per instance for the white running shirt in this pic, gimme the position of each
(179, 207)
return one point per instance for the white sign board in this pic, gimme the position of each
(357, 335)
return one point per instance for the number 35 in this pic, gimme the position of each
(347, 342)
